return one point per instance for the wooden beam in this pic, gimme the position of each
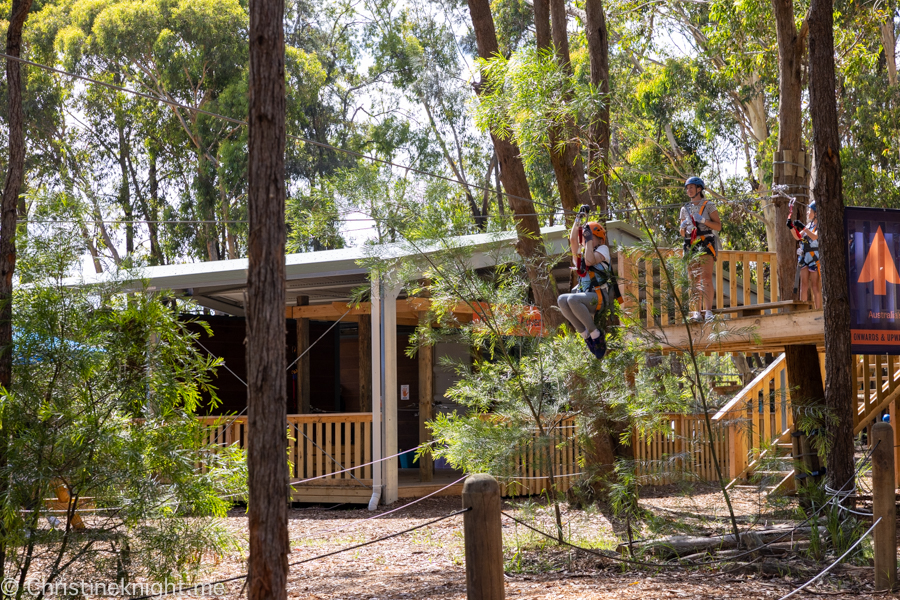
(303, 389)
(365, 363)
(426, 406)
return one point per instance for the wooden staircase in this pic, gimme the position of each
(759, 419)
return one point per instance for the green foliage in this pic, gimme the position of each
(106, 386)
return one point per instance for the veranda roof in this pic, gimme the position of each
(330, 275)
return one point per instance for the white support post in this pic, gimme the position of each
(384, 390)
(377, 392)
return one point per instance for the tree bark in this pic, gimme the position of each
(530, 245)
(563, 156)
(12, 186)
(801, 361)
(889, 43)
(790, 141)
(559, 22)
(15, 177)
(805, 383)
(266, 331)
(599, 132)
(840, 395)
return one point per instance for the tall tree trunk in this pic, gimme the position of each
(156, 255)
(840, 395)
(124, 187)
(790, 143)
(15, 178)
(563, 156)
(802, 362)
(889, 43)
(530, 245)
(598, 50)
(266, 330)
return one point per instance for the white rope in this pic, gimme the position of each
(835, 563)
(513, 477)
(362, 465)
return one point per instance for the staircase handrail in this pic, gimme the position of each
(751, 388)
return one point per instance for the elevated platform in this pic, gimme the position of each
(760, 333)
(750, 316)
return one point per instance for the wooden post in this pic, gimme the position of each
(365, 363)
(303, 392)
(426, 406)
(483, 538)
(884, 507)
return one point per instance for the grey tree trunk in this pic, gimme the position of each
(840, 395)
(266, 330)
(12, 186)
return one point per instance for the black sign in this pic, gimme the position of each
(873, 235)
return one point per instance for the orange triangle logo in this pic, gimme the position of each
(879, 266)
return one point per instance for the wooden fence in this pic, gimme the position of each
(324, 444)
(750, 277)
(680, 451)
(532, 463)
(746, 430)
(319, 444)
(757, 418)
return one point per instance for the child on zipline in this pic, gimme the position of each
(590, 255)
(808, 253)
(699, 224)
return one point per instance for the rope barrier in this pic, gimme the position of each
(862, 464)
(835, 563)
(381, 539)
(208, 585)
(362, 465)
(595, 552)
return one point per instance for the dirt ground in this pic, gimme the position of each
(428, 563)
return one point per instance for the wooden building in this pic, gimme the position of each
(355, 397)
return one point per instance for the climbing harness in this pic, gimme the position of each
(704, 241)
(597, 278)
(808, 251)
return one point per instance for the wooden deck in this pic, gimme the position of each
(411, 487)
(751, 317)
(330, 459)
(760, 333)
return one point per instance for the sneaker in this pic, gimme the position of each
(709, 316)
(694, 317)
(597, 346)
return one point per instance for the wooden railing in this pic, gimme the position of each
(877, 388)
(319, 444)
(681, 451)
(323, 444)
(750, 278)
(757, 418)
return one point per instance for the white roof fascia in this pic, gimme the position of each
(333, 263)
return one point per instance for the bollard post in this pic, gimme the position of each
(883, 500)
(483, 538)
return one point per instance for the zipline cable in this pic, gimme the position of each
(836, 562)
(208, 113)
(325, 145)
